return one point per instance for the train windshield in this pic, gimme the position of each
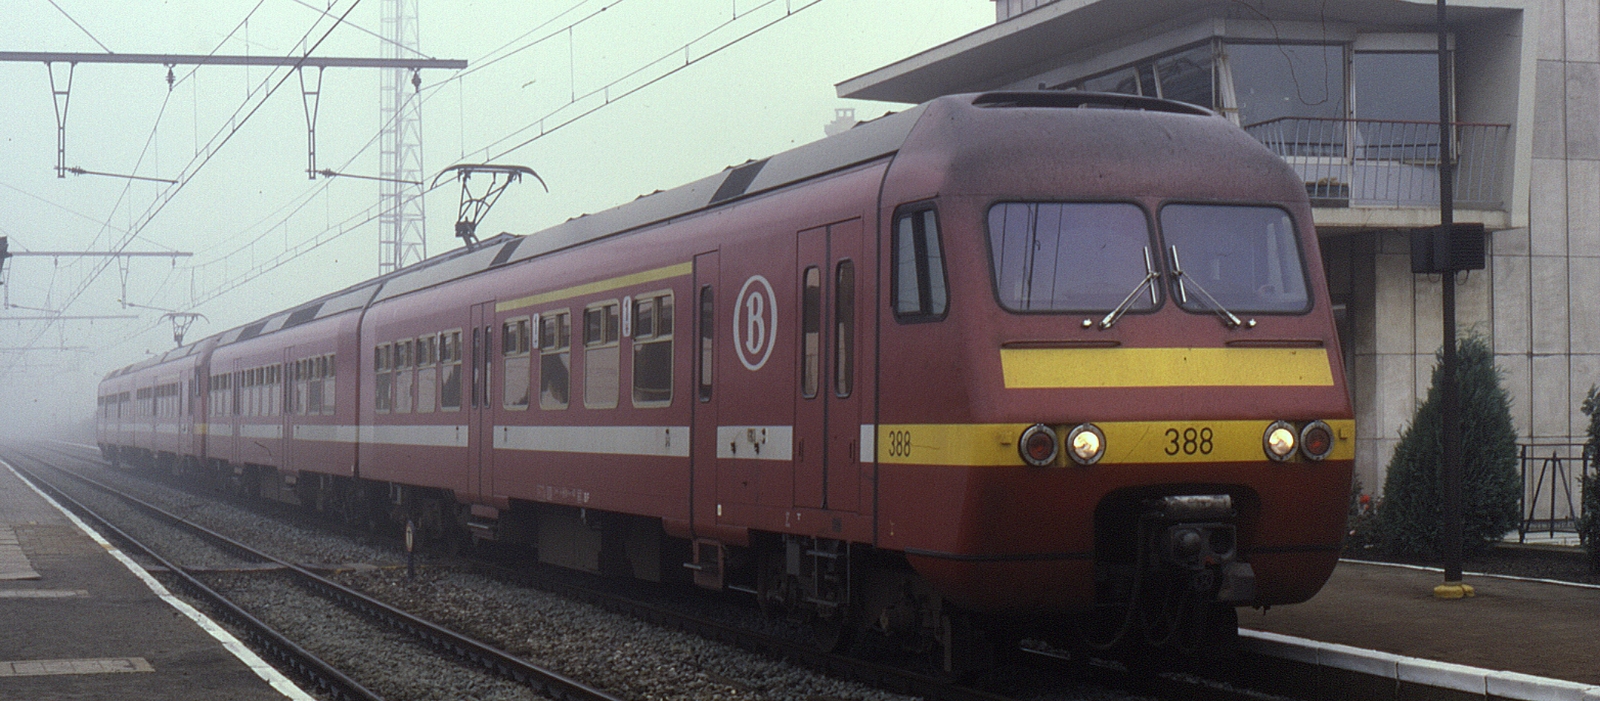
(1070, 256)
(1245, 257)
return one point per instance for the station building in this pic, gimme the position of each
(1346, 91)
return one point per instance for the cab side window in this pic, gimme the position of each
(918, 292)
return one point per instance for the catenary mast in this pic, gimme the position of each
(402, 225)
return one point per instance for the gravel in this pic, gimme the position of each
(623, 655)
(392, 664)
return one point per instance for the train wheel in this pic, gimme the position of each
(831, 633)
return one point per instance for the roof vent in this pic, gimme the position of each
(738, 181)
(1078, 98)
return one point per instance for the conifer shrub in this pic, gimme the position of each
(1411, 520)
(1589, 525)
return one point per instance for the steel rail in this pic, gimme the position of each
(1166, 685)
(540, 679)
(327, 678)
(885, 677)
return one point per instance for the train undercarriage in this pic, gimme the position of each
(1167, 571)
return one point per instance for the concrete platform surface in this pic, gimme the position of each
(90, 624)
(1529, 627)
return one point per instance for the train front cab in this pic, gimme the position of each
(1117, 388)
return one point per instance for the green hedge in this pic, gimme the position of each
(1411, 519)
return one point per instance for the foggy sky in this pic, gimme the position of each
(252, 200)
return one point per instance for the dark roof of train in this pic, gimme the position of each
(865, 142)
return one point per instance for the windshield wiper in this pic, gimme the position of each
(1149, 276)
(1227, 317)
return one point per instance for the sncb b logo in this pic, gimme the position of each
(755, 322)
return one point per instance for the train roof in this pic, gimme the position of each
(866, 142)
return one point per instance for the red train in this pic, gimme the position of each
(1056, 361)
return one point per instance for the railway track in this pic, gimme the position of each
(1042, 676)
(324, 676)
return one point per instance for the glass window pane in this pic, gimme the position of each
(810, 331)
(1246, 257)
(1390, 88)
(1187, 76)
(1122, 80)
(1288, 80)
(707, 342)
(844, 314)
(1080, 256)
(934, 264)
(907, 297)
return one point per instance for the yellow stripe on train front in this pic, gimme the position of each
(1127, 442)
(1074, 368)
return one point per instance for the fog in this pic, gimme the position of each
(251, 200)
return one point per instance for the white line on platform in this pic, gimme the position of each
(232, 644)
(1514, 686)
(1513, 578)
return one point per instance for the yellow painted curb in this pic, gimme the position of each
(1453, 590)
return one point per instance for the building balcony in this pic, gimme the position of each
(1386, 172)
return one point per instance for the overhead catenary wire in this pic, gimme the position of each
(193, 167)
(356, 221)
(75, 23)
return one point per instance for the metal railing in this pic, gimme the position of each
(1552, 487)
(1371, 162)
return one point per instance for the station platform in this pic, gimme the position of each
(1515, 639)
(79, 620)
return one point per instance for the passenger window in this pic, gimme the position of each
(652, 350)
(555, 359)
(328, 403)
(514, 345)
(383, 394)
(450, 371)
(601, 356)
(810, 332)
(918, 288)
(708, 325)
(427, 373)
(404, 374)
(844, 335)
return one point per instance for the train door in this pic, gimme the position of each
(480, 413)
(286, 409)
(703, 434)
(827, 406)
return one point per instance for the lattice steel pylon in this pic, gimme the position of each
(402, 221)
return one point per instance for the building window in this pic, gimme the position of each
(652, 350)
(918, 287)
(1276, 81)
(515, 344)
(1186, 76)
(555, 359)
(601, 356)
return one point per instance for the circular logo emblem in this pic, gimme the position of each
(755, 322)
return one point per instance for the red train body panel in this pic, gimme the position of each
(835, 356)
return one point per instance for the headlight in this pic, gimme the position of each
(1279, 441)
(1316, 440)
(1086, 444)
(1038, 445)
